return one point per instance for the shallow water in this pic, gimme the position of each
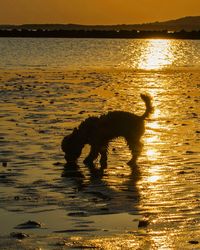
(75, 208)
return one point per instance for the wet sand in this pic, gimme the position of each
(154, 206)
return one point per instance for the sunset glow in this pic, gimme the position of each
(94, 11)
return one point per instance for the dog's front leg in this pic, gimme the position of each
(92, 155)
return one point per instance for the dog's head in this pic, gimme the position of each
(71, 146)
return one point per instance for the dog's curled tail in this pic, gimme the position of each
(148, 103)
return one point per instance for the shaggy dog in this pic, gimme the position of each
(99, 131)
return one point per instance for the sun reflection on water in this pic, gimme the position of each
(153, 178)
(154, 125)
(152, 141)
(156, 54)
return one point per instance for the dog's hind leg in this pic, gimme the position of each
(136, 149)
(104, 157)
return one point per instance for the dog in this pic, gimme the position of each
(99, 131)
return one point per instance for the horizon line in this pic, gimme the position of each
(78, 24)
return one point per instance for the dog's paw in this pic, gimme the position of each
(96, 174)
(88, 161)
(103, 164)
(132, 163)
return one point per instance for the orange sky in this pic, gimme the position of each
(95, 11)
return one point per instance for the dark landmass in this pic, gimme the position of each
(99, 34)
(183, 28)
(190, 23)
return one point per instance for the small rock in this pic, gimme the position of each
(181, 172)
(42, 131)
(189, 152)
(29, 224)
(143, 223)
(78, 214)
(57, 163)
(4, 164)
(193, 242)
(194, 114)
(19, 235)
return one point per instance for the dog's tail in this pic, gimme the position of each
(148, 103)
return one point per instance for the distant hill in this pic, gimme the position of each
(189, 23)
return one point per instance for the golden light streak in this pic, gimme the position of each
(156, 55)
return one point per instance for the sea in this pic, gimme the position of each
(134, 54)
(48, 86)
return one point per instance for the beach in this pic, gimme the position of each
(154, 206)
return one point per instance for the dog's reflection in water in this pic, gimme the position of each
(72, 171)
(98, 191)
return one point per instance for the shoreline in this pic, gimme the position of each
(102, 34)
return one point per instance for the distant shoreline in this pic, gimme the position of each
(114, 34)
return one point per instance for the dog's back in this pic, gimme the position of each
(119, 123)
